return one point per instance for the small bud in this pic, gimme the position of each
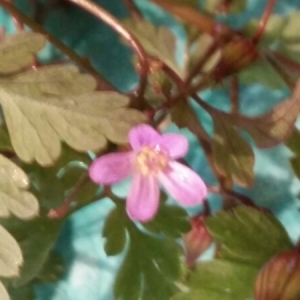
(196, 241)
(280, 278)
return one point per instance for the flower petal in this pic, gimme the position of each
(142, 135)
(143, 199)
(183, 184)
(111, 168)
(176, 144)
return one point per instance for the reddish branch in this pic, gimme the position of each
(64, 209)
(118, 27)
(263, 22)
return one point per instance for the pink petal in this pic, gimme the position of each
(176, 144)
(111, 168)
(143, 199)
(183, 184)
(142, 135)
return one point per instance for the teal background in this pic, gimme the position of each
(90, 274)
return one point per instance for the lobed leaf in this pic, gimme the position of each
(114, 232)
(17, 51)
(233, 156)
(275, 126)
(260, 71)
(5, 144)
(36, 238)
(294, 144)
(281, 33)
(42, 108)
(189, 15)
(10, 255)
(224, 6)
(150, 262)
(220, 279)
(246, 239)
(171, 220)
(248, 235)
(157, 41)
(3, 292)
(15, 199)
(25, 293)
(184, 116)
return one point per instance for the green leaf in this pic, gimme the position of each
(151, 265)
(184, 116)
(36, 239)
(24, 292)
(281, 33)
(114, 232)
(17, 50)
(171, 221)
(10, 255)
(276, 125)
(220, 279)
(199, 49)
(52, 269)
(294, 144)
(3, 292)
(128, 282)
(157, 41)
(233, 156)
(224, 6)
(260, 71)
(246, 239)
(10, 259)
(248, 235)
(5, 144)
(57, 103)
(15, 199)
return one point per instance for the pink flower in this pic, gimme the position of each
(151, 161)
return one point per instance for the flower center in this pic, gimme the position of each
(150, 161)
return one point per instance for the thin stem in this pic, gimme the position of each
(118, 27)
(103, 83)
(263, 22)
(290, 82)
(289, 63)
(236, 196)
(64, 209)
(133, 9)
(234, 94)
(201, 62)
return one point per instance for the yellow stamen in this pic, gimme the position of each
(151, 161)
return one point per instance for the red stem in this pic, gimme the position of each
(64, 209)
(291, 64)
(263, 22)
(118, 27)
